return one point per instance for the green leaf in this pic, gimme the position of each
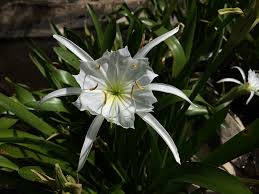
(148, 22)
(20, 111)
(239, 32)
(12, 182)
(37, 64)
(23, 95)
(23, 152)
(97, 25)
(229, 10)
(209, 129)
(194, 111)
(57, 76)
(205, 176)
(135, 36)
(74, 37)
(7, 122)
(244, 142)
(68, 57)
(161, 5)
(109, 36)
(28, 173)
(54, 28)
(64, 77)
(6, 133)
(5, 163)
(189, 30)
(54, 104)
(118, 38)
(177, 51)
(118, 191)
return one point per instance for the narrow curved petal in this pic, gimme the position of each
(229, 80)
(144, 51)
(61, 92)
(170, 90)
(149, 119)
(89, 139)
(241, 72)
(80, 53)
(252, 93)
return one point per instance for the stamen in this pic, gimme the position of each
(139, 85)
(98, 66)
(105, 98)
(132, 91)
(134, 66)
(91, 89)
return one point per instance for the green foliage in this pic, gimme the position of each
(39, 143)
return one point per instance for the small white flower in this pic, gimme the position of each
(252, 81)
(115, 87)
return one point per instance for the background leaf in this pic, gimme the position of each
(20, 111)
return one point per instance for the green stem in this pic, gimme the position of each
(233, 93)
(249, 181)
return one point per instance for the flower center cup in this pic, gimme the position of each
(117, 89)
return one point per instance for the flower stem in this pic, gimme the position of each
(234, 93)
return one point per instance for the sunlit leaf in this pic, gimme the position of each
(20, 111)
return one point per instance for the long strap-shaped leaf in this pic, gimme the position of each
(199, 174)
(21, 112)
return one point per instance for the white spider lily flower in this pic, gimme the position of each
(115, 87)
(252, 82)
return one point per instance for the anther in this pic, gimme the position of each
(139, 85)
(105, 98)
(132, 91)
(91, 89)
(98, 66)
(134, 66)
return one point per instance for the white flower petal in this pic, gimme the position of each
(89, 139)
(144, 99)
(149, 119)
(61, 92)
(147, 78)
(230, 80)
(122, 67)
(91, 101)
(169, 89)
(80, 53)
(144, 51)
(96, 70)
(124, 52)
(252, 93)
(253, 80)
(119, 110)
(241, 72)
(85, 81)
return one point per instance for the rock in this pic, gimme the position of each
(30, 18)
